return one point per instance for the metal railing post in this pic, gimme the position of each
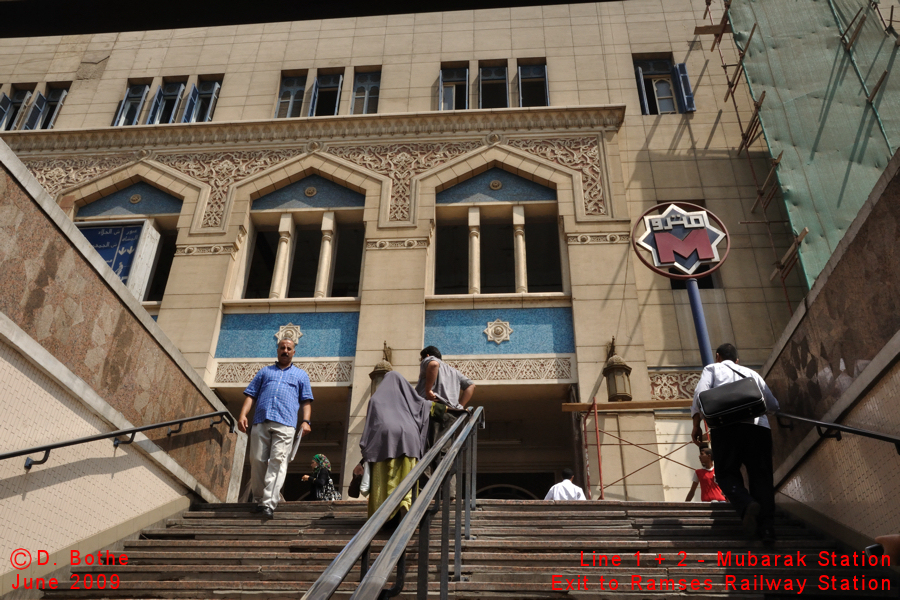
(457, 525)
(445, 538)
(424, 542)
(470, 468)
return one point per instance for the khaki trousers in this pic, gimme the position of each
(270, 449)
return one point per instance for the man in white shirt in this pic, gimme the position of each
(565, 489)
(747, 443)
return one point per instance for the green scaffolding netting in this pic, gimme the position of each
(835, 144)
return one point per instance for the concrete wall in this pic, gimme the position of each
(836, 362)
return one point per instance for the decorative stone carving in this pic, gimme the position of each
(513, 369)
(337, 371)
(396, 244)
(584, 120)
(401, 162)
(310, 192)
(289, 332)
(578, 154)
(599, 238)
(221, 170)
(206, 249)
(673, 385)
(135, 198)
(498, 331)
(58, 174)
(496, 184)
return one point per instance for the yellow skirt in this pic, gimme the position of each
(385, 476)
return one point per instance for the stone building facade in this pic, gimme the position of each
(467, 180)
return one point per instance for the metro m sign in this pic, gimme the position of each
(680, 239)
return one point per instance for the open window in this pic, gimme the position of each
(201, 102)
(165, 104)
(366, 87)
(533, 88)
(290, 97)
(44, 109)
(12, 108)
(326, 95)
(129, 110)
(493, 91)
(453, 87)
(664, 88)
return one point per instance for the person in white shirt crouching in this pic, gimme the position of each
(566, 489)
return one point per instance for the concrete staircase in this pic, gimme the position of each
(522, 549)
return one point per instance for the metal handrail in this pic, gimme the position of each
(394, 551)
(833, 430)
(358, 547)
(223, 415)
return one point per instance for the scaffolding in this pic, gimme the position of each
(826, 99)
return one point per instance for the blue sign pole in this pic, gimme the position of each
(706, 353)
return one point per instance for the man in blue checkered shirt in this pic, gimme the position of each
(281, 391)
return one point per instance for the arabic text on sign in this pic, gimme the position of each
(667, 223)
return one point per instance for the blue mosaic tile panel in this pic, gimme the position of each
(534, 331)
(253, 335)
(328, 195)
(153, 202)
(478, 189)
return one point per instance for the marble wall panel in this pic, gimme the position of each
(51, 292)
(847, 324)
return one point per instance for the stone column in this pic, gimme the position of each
(474, 250)
(323, 275)
(282, 257)
(519, 233)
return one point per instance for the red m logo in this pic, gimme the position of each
(667, 245)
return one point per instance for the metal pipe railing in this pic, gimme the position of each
(372, 584)
(220, 416)
(358, 547)
(833, 430)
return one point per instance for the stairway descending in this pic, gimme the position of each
(520, 549)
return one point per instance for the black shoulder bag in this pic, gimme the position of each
(733, 402)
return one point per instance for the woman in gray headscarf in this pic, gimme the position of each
(393, 440)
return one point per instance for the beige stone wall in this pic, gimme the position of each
(589, 51)
(82, 491)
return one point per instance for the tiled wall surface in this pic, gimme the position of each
(534, 331)
(254, 335)
(82, 490)
(149, 201)
(50, 291)
(478, 189)
(327, 194)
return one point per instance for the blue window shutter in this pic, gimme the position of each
(178, 96)
(337, 101)
(480, 73)
(519, 82)
(214, 97)
(313, 97)
(5, 105)
(467, 90)
(33, 120)
(21, 114)
(49, 123)
(118, 115)
(546, 86)
(642, 92)
(153, 117)
(190, 105)
(683, 88)
(441, 89)
(145, 89)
